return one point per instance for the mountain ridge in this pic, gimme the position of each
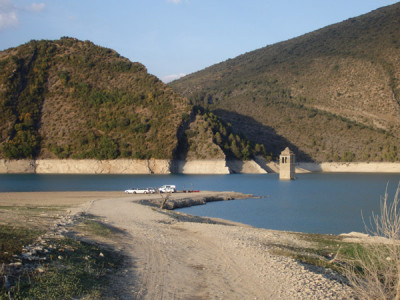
(72, 99)
(332, 93)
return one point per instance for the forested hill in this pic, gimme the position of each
(331, 95)
(72, 99)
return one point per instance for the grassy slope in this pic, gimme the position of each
(332, 94)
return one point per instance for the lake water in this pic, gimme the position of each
(314, 203)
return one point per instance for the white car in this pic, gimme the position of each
(167, 189)
(140, 191)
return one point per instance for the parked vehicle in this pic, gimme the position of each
(167, 189)
(140, 191)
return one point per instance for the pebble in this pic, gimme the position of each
(32, 254)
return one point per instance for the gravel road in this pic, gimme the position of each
(171, 258)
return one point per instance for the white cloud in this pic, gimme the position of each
(8, 15)
(8, 19)
(36, 7)
(5, 4)
(9, 12)
(172, 77)
(174, 1)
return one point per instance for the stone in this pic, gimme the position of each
(287, 165)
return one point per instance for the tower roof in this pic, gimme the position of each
(287, 151)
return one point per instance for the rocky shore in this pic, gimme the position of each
(181, 200)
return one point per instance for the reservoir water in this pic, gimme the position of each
(314, 203)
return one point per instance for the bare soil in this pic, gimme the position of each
(174, 256)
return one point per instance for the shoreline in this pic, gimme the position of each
(176, 255)
(194, 167)
(75, 201)
(78, 199)
(172, 253)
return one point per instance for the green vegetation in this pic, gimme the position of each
(330, 95)
(12, 239)
(71, 268)
(94, 226)
(73, 99)
(23, 98)
(210, 137)
(325, 251)
(75, 269)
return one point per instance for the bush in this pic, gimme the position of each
(24, 145)
(375, 271)
(106, 149)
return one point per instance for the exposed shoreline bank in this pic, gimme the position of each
(160, 166)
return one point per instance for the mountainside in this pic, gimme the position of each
(330, 95)
(73, 99)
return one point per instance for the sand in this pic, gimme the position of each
(170, 258)
(54, 198)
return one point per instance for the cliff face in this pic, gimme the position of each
(119, 166)
(160, 166)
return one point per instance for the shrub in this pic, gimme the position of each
(375, 271)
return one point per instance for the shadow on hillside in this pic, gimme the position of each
(181, 151)
(260, 134)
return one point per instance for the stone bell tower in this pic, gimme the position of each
(287, 163)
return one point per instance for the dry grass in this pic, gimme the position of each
(374, 273)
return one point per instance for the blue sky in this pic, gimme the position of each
(174, 37)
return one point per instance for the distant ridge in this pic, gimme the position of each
(331, 95)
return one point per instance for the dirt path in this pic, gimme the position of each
(171, 259)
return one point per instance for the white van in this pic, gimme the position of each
(167, 189)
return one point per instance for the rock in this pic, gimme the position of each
(37, 248)
(27, 255)
(355, 234)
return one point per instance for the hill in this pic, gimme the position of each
(331, 95)
(73, 99)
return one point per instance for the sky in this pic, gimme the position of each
(173, 38)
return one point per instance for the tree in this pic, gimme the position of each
(164, 199)
(218, 138)
(107, 149)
